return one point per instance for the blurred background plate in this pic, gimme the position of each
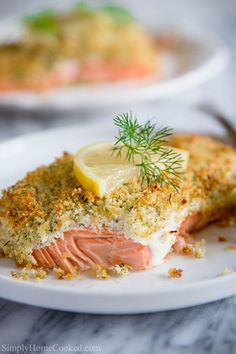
(197, 58)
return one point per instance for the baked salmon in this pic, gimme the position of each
(77, 47)
(86, 247)
(70, 72)
(49, 220)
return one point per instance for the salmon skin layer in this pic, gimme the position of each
(85, 248)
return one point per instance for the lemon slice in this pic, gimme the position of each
(100, 171)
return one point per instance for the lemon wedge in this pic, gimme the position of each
(100, 171)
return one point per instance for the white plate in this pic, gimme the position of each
(197, 58)
(138, 292)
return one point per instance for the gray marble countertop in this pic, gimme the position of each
(203, 329)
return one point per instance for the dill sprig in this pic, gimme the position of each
(117, 12)
(146, 147)
(47, 20)
(43, 21)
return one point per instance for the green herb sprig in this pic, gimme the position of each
(117, 12)
(83, 5)
(45, 21)
(147, 144)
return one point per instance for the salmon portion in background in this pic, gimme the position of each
(71, 72)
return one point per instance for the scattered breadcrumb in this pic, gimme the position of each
(65, 255)
(62, 274)
(227, 271)
(222, 239)
(20, 275)
(59, 273)
(200, 253)
(194, 250)
(120, 269)
(29, 273)
(175, 273)
(231, 248)
(200, 243)
(230, 220)
(100, 272)
(39, 274)
(69, 276)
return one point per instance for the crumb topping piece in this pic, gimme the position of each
(100, 272)
(231, 248)
(29, 273)
(222, 239)
(227, 271)
(175, 273)
(195, 249)
(120, 270)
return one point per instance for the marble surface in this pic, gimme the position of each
(200, 330)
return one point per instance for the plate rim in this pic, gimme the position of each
(92, 303)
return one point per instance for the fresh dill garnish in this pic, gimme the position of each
(45, 21)
(146, 147)
(117, 12)
(83, 5)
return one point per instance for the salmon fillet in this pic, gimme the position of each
(48, 219)
(72, 72)
(113, 71)
(89, 47)
(86, 247)
(64, 73)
